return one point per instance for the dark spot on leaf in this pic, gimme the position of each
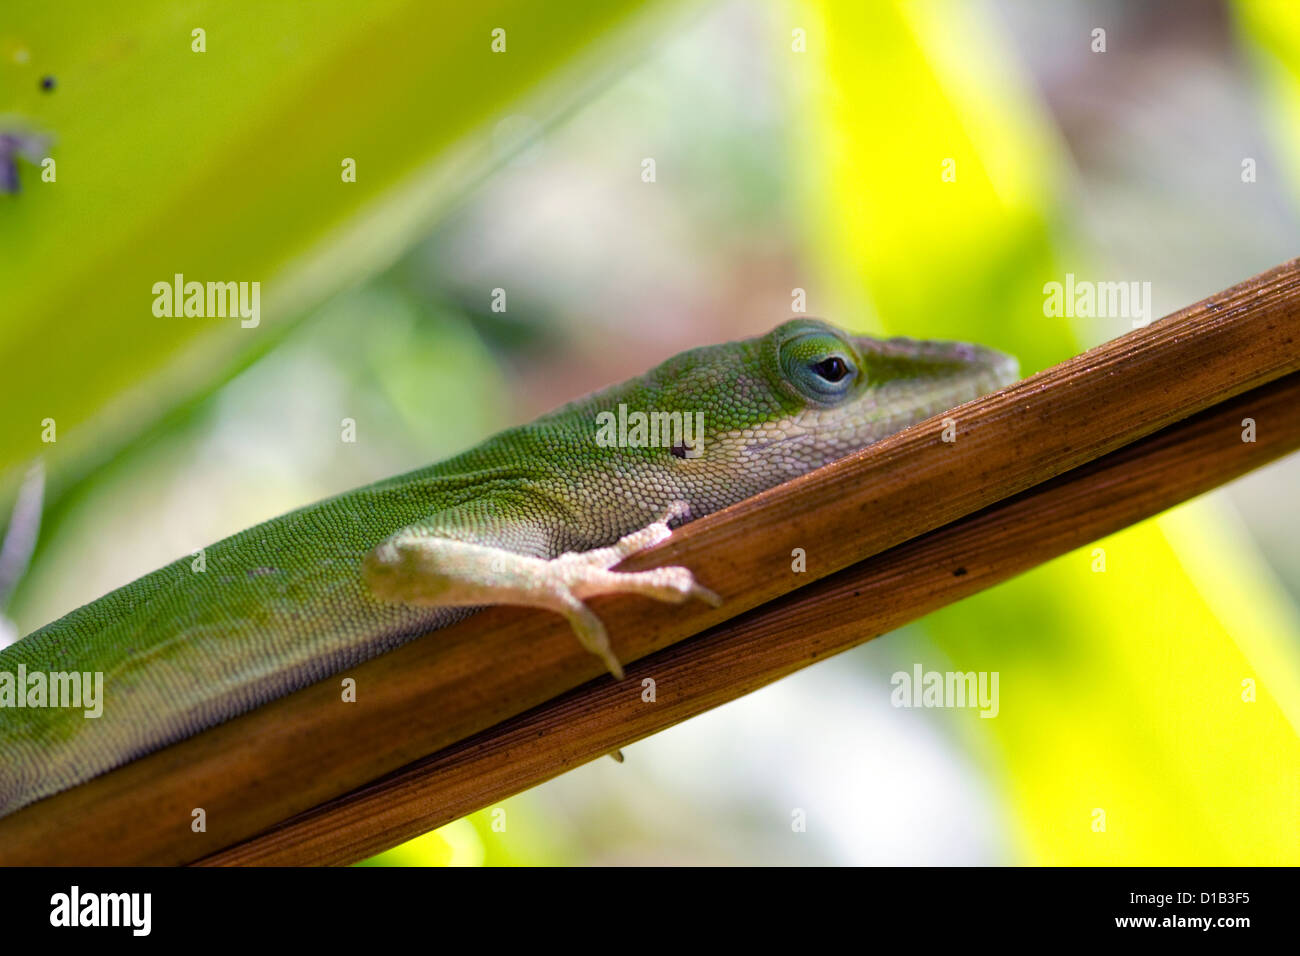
(8, 172)
(48, 83)
(14, 144)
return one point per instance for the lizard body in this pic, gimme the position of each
(536, 515)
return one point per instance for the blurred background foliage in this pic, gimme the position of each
(776, 169)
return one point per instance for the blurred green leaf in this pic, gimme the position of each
(225, 165)
(1271, 31)
(1121, 680)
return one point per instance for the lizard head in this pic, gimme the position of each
(860, 389)
(755, 413)
(808, 393)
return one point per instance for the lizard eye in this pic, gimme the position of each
(832, 369)
(820, 365)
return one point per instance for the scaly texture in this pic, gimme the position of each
(298, 598)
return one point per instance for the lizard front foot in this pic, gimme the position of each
(587, 573)
(419, 568)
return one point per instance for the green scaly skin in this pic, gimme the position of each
(305, 595)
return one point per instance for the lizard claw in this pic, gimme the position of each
(679, 510)
(709, 597)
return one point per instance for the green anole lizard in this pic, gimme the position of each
(537, 516)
